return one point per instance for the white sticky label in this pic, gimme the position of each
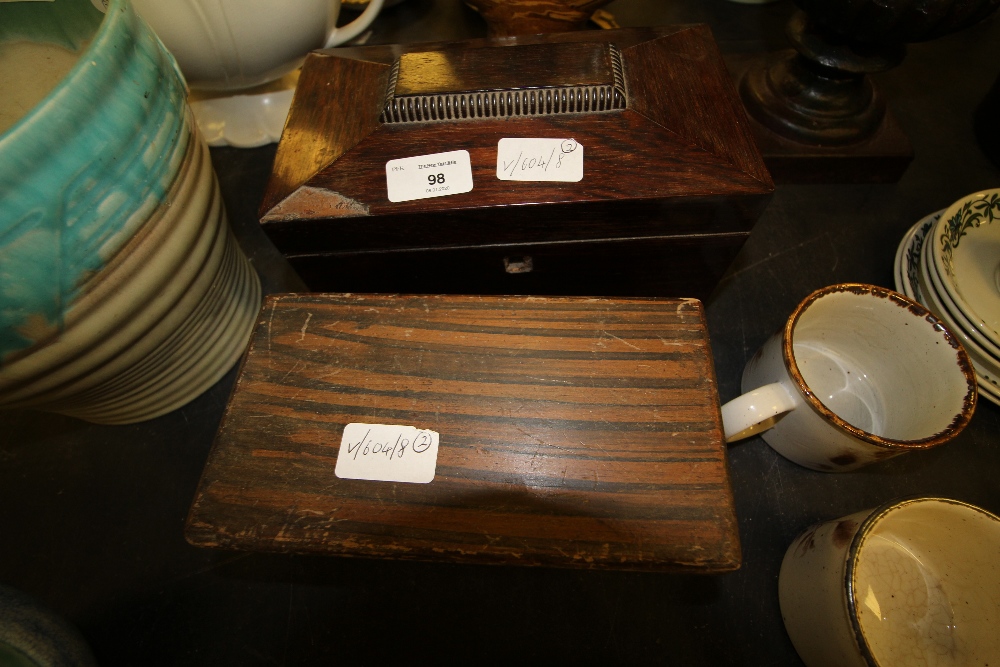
(101, 4)
(387, 453)
(540, 160)
(425, 176)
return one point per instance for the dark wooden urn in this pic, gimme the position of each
(815, 112)
(672, 180)
(528, 17)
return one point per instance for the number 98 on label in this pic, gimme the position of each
(426, 176)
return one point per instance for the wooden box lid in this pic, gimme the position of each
(654, 109)
(574, 432)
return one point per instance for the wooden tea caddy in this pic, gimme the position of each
(673, 182)
(574, 432)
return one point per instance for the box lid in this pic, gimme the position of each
(653, 108)
(573, 432)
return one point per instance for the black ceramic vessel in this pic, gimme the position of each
(819, 93)
(987, 123)
(33, 636)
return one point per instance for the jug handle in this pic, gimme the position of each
(354, 28)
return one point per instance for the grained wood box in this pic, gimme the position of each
(672, 181)
(574, 432)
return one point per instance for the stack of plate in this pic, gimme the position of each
(950, 262)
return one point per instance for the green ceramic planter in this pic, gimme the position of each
(122, 292)
(85, 168)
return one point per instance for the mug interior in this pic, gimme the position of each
(924, 585)
(881, 364)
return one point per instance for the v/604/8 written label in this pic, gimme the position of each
(426, 176)
(527, 159)
(387, 453)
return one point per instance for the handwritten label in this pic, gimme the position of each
(426, 176)
(387, 453)
(540, 160)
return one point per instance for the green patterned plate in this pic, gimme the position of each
(908, 278)
(966, 256)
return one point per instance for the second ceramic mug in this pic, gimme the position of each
(913, 582)
(858, 374)
(235, 44)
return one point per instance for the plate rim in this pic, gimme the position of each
(948, 280)
(904, 285)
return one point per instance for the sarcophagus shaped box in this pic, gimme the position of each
(602, 162)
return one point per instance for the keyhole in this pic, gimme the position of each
(523, 264)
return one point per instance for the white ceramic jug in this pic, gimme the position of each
(230, 45)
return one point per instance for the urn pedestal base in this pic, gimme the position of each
(880, 158)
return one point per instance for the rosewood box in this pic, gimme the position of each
(667, 187)
(572, 432)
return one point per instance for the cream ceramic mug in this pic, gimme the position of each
(226, 45)
(858, 374)
(911, 583)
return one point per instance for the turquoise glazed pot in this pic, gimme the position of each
(86, 167)
(33, 636)
(123, 294)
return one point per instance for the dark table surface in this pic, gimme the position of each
(91, 517)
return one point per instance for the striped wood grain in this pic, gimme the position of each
(573, 432)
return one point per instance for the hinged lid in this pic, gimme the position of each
(573, 432)
(654, 109)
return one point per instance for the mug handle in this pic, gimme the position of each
(755, 411)
(354, 28)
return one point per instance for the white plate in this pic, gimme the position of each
(986, 391)
(908, 258)
(906, 276)
(941, 296)
(987, 369)
(252, 118)
(966, 255)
